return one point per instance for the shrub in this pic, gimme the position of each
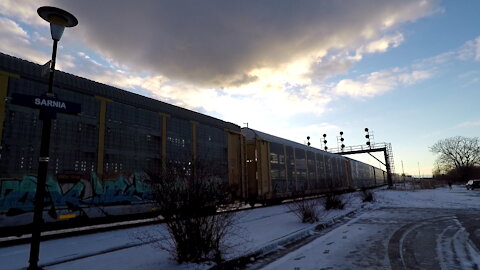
(333, 201)
(367, 195)
(305, 209)
(427, 184)
(187, 197)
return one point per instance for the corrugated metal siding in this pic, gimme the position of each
(251, 133)
(71, 82)
(138, 134)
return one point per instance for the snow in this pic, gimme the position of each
(361, 243)
(456, 198)
(262, 229)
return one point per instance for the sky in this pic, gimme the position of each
(407, 70)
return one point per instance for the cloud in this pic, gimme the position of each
(245, 104)
(261, 62)
(470, 78)
(222, 43)
(13, 29)
(376, 83)
(333, 65)
(450, 130)
(469, 124)
(477, 51)
(22, 10)
(382, 44)
(470, 50)
(85, 65)
(16, 41)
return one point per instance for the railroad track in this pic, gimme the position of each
(103, 227)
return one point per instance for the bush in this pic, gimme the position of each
(187, 197)
(367, 195)
(427, 184)
(305, 209)
(333, 201)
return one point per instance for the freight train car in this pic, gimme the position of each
(101, 159)
(277, 169)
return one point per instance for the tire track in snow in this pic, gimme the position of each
(455, 250)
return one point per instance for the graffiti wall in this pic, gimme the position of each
(75, 194)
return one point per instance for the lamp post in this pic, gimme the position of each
(58, 19)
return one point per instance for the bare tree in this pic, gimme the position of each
(458, 154)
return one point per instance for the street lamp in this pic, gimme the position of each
(58, 19)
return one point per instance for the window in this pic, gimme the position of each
(273, 158)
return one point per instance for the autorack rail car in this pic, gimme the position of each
(102, 159)
(278, 168)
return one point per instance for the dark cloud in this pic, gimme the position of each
(329, 67)
(217, 43)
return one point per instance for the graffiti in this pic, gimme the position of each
(17, 195)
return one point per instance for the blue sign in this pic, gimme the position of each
(48, 105)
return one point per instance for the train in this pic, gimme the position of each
(278, 169)
(103, 158)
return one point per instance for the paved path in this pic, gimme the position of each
(394, 238)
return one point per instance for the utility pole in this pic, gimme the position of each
(418, 163)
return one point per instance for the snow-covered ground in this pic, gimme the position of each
(258, 229)
(456, 198)
(423, 229)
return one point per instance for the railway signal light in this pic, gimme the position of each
(367, 136)
(340, 141)
(324, 141)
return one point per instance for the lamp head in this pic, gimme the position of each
(58, 19)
